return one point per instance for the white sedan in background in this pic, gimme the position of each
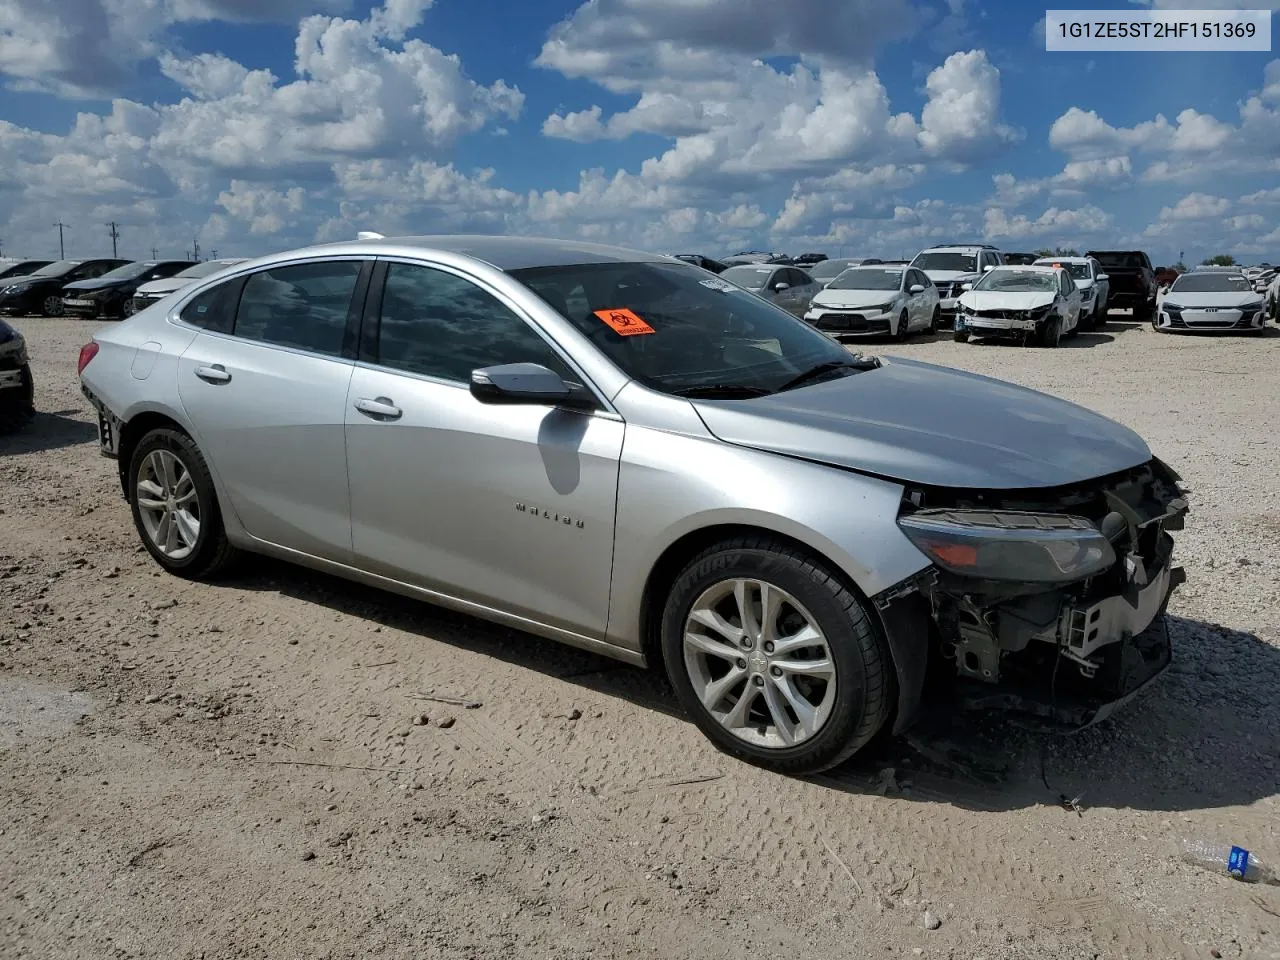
(1092, 282)
(1212, 301)
(871, 301)
(1033, 304)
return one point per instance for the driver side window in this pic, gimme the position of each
(438, 324)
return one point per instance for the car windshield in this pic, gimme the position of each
(1078, 271)
(203, 269)
(694, 331)
(1017, 281)
(57, 268)
(1210, 283)
(867, 278)
(1123, 260)
(828, 269)
(752, 278)
(130, 271)
(954, 262)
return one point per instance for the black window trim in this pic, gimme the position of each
(355, 309)
(371, 322)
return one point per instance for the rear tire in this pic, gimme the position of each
(773, 721)
(175, 507)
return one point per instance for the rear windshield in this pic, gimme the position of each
(830, 268)
(1125, 261)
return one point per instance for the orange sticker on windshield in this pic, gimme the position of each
(623, 322)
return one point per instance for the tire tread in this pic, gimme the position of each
(877, 682)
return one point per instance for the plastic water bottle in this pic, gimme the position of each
(1225, 858)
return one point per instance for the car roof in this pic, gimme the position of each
(1051, 260)
(505, 253)
(957, 248)
(1024, 267)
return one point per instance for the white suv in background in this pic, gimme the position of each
(951, 265)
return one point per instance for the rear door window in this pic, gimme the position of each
(305, 306)
(214, 309)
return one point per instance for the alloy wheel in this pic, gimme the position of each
(168, 504)
(52, 306)
(759, 663)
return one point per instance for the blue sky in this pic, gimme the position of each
(847, 126)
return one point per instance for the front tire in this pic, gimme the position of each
(960, 336)
(127, 309)
(777, 662)
(175, 507)
(51, 306)
(904, 327)
(935, 321)
(1051, 333)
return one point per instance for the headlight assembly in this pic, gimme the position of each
(1010, 546)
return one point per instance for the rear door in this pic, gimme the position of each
(510, 507)
(264, 385)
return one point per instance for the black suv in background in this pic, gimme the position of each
(41, 292)
(1131, 281)
(111, 295)
(20, 268)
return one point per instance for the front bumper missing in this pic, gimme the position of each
(1133, 665)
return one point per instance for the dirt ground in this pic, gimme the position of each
(243, 769)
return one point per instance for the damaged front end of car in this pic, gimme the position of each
(1049, 602)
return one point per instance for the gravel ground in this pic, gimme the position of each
(250, 769)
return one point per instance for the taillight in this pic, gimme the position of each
(87, 353)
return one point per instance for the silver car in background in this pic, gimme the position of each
(628, 454)
(156, 290)
(789, 287)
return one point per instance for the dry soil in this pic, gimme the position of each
(251, 769)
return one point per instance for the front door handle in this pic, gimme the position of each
(214, 373)
(379, 408)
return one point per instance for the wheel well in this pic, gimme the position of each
(677, 556)
(131, 435)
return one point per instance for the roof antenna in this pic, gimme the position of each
(369, 235)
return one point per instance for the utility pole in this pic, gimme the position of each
(155, 255)
(62, 249)
(213, 254)
(195, 249)
(115, 235)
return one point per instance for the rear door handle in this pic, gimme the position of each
(214, 373)
(379, 408)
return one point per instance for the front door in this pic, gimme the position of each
(510, 507)
(264, 385)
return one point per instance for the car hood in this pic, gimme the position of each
(920, 423)
(841, 299)
(163, 286)
(1196, 300)
(97, 283)
(984, 300)
(27, 278)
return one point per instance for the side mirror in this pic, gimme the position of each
(1103, 276)
(966, 286)
(916, 288)
(988, 268)
(780, 286)
(519, 383)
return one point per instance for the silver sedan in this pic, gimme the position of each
(626, 453)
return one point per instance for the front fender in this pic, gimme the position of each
(671, 486)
